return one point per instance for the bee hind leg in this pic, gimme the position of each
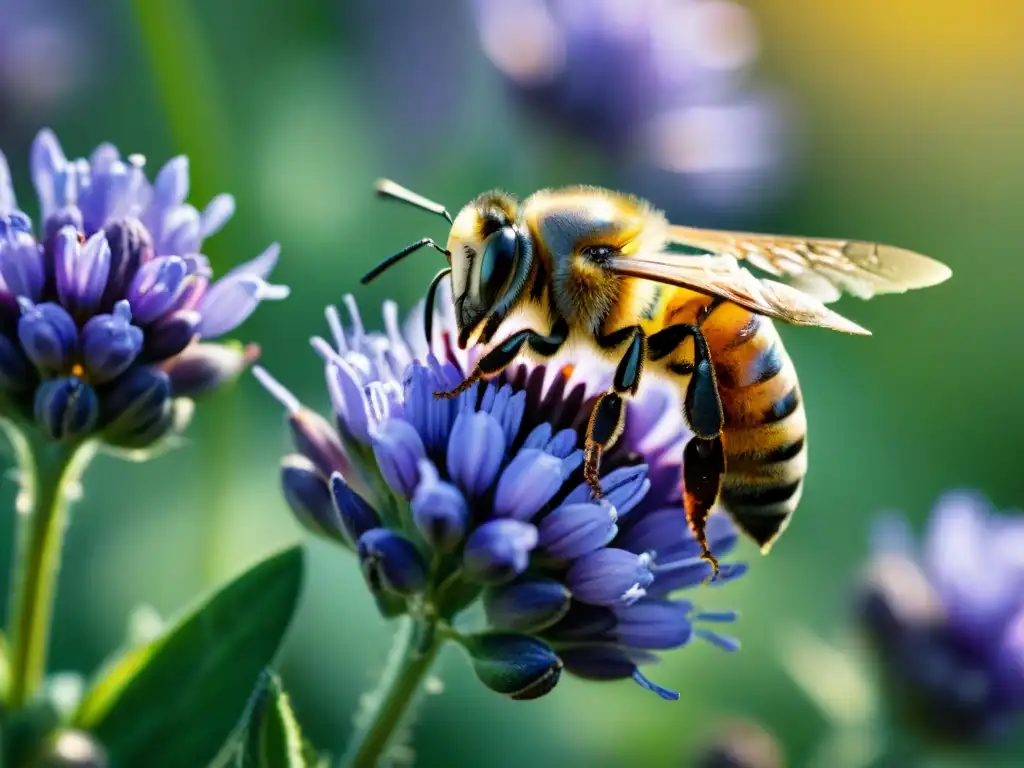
(501, 356)
(703, 469)
(607, 420)
(703, 456)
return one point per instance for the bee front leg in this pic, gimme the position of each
(499, 358)
(703, 457)
(608, 417)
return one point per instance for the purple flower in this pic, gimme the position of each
(485, 495)
(659, 86)
(947, 620)
(113, 299)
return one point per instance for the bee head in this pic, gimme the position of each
(490, 261)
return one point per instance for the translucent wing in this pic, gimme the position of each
(723, 276)
(824, 268)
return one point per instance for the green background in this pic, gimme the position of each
(910, 117)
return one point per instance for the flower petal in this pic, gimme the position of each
(398, 449)
(529, 482)
(229, 302)
(610, 577)
(498, 551)
(476, 449)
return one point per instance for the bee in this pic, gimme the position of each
(597, 268)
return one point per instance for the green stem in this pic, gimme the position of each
(49, 474)
(408, 665)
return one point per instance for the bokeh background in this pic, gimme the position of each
(896, 122)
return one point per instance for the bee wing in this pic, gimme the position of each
(824, 268)
(723, 276)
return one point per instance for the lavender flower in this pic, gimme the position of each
(947, 623)
(106, 316)
(481, 500)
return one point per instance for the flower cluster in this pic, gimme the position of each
(105, 314)
(947, 624)
(479, 501)
(657, 84)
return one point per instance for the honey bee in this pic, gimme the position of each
(597, 268)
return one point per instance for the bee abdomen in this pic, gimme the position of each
(765, 429)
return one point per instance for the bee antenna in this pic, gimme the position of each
(390, 261)
(388, 188)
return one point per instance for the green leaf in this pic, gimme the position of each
(271, 737)
(174, 701)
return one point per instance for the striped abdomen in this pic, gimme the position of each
(765, 428)
(765, 431)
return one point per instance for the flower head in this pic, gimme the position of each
(947, 622)
(107, 307)
(481, 500)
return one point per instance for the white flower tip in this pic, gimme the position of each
(137, 160)
(325, 350)
(633, 594)
(276, 389)
(46, 140)
(97, 245)
(269, 292)
(337, 329)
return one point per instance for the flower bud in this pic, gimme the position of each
(391, 562)
(610, 576)
(81, 271)
(203, 368)
(48, 335)
(169, 336)
(518, 666)
(130, 247)
(157, 287)
(574, 530)
(530, 481)
(135, 409)
(16, 372)
(355, 516)
(66, 408)
(654, 624)
(526, 605)
(309, 498)
(21, 264)
(315, 439)
(110, 343)
(398, 450)
(71, 749)
(498, 551)
(439, 510)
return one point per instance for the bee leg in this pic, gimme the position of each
(703, 457)
(703, 469)
(501, 356)
(608, 417)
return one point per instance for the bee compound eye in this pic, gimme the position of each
(598, 253)
(499, 256)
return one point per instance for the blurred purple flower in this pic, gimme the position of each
(43, 54)
(660, 85)
(947, 622)
(105, 318)
(486, 493)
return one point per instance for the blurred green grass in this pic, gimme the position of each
(912, 125)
